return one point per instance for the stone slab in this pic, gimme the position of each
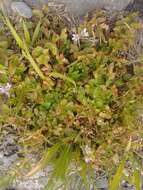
(75, 7)
(81, 7)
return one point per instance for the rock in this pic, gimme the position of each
(5, 6)
(9, 158)
(102, 183)
(36, 3)
(81, 7)
(74, 7)
(136, 5)
(21, 9)
(36, 182)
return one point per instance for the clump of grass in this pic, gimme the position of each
(74, 93)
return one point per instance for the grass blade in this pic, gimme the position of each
(137, 180)
(61, 167)
(62, 163)
(36, 33)
(26, 33)
(45, 160)
(114, 185)
(27, 55)
(13, 31)
(83, 174)
(23, 46)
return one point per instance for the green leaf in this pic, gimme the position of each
(63, 77)
(23, 46)
(53, 48)
(47, 158)
(62, 163)
(27, 55)
(13, 31)
(7, 180)
(36, 33)
(61, 167)
(83, 173)
(114, 185)
(26, 33)
(137, 180)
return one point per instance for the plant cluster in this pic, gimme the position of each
(73, 95)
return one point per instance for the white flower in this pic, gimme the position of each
(87, 150)
(87, 160)
(84, 33)
(75, 37)
(88, 154)
(5, 89)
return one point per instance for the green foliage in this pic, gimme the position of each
(36, 33)
(77, 97)
(118, 176)
(7, 180)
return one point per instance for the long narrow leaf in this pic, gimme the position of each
(137, 180)
(23, 46)
(62, 163)
(14, 33)
(36, 33)
(118, 175)
(26, 33)
(83, 174)
(27, 54)
(114, 185)
(48, 156)
(61, 167)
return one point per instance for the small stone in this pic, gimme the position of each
(22, 9)
(102, 183)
